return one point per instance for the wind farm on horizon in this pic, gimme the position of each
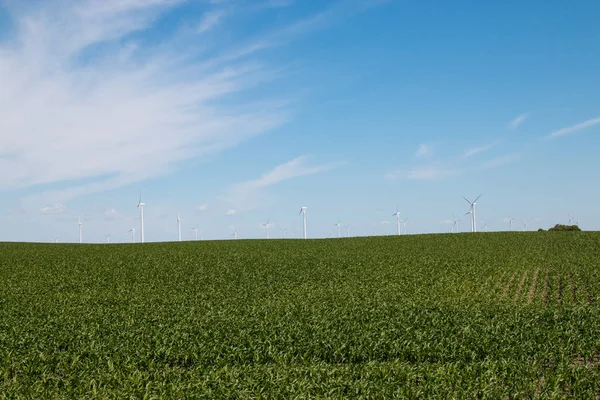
(138, 232)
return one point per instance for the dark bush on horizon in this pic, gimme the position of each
(565, 228)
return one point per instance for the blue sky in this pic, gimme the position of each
(232, 112)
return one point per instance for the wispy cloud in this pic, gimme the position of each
(128, 113)
(429, 173)
(202, 207)
(477, 150)
(423, 150)
(210, 20)
(231, 212)
(249, 195)
(575, 128)
(112, 214)
(55, 209)
(500, 161)
(515, 123)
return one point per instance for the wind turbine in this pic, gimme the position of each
(234, 234)
(195, 233)
(108, 239)
(347, 230)
(80, 230)
(56, 240)
(267, 226)
(404, 224)
(141, 207)
(339, 225)
(454, 222)
(397, 215)
(510, 221)
(178, 228)
(570, 219)
(132, 231)
(472, 212)
(303, 212)
(284, 231)
(525, 222)
(484, 226)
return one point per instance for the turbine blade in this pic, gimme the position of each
(466, 200)
(477, 198)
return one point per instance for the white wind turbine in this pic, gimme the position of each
(347, 230)
(80, 230)
(397, 215)
(284, 231)
(484, 226)
(141, 207)
(267, 226)
(510, 221)
(525, 223)
(303, 212)
(339, 226)
(132, 231)
(472, 212)
(454, 222)
(108, 239)
(195, 233)
(178, 228)
(570, 219)
(403, 221)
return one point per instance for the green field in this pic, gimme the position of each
(439, 316)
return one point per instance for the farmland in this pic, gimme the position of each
(463, 315)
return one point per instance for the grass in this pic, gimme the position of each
(465, 315)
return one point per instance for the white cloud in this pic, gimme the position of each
(500, 161)
(202, 207)
(55, 209)
(111, 214)
(515, 123)
(430, 173)
(128, 113)
(575, 128)
(423, 150)
(231, 212)
(210, 20)
(249, 195)
(476, 150)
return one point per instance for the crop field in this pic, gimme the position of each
(487, 315)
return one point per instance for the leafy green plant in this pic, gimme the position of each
(441, 316)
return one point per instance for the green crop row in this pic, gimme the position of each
(439, 316)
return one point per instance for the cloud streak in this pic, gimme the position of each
(575, 128)
(84, 105)
(500, 161)
(250, 194)
(477, 150)
(515, 123)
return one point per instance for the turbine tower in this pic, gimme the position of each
(234, 233)
(472, 212)
(454, 222)
(347, 230)
(80, 230)
(195, 233)
(404, 224)
(178, 228)
(267, 226)
(303, 212)
(339, 225)
(510, 221)
(108, 239)
(570, 219)
(141, 207)
(525, 223)
(397, 215)
(132, 231)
